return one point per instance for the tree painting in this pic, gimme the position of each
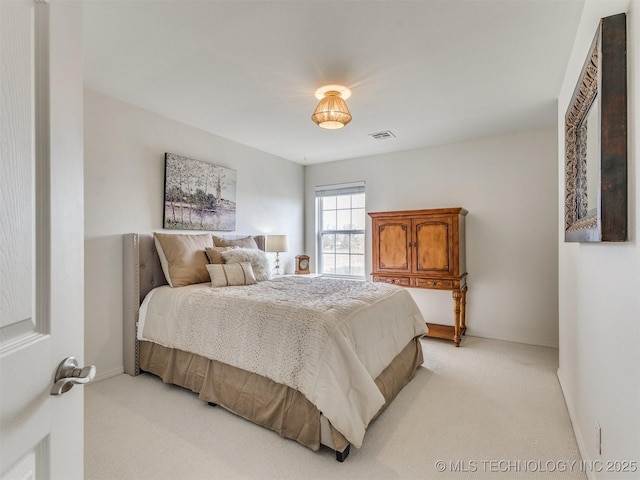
(198, 195)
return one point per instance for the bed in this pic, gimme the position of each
(313, 359)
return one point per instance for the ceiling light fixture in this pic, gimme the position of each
(332, 111)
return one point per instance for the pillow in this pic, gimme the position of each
(215, 253)
(257, 258)
(182, 257)
(226, 275)
(246, 242)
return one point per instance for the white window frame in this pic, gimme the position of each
(330, 191)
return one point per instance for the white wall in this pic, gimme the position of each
(124, 180)
(509, 186)
(599, 285)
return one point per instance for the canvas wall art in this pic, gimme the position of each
(198, 195)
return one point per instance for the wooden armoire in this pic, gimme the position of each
(424, 249)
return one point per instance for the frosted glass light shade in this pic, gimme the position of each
(332, 111)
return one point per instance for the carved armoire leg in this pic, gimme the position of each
(457, 295)
(463, 311)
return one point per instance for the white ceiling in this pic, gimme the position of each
(431, 72)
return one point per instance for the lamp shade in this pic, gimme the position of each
(277, 243)
(332, 111)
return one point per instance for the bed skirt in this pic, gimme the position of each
(263, 401)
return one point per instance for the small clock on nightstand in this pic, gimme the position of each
(302, 264)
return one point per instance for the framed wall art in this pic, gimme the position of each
(198, 195)
(596, 141)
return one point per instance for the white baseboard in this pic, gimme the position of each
(576, 429)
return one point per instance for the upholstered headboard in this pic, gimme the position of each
(142, 272)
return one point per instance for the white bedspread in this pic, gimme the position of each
(327, 338)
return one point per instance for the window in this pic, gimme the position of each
(341, 224)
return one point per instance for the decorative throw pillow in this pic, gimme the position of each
(182, 257)
(257, 258)
(215, 253)
(231, 274)
(246, 242)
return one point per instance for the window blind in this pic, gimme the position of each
(340, 189)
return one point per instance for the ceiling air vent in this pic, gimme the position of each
(382, 135)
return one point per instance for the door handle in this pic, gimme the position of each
(68, 374)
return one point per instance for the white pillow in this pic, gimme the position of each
(257, 258)
(226, 275)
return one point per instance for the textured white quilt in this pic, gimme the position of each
(327, 338)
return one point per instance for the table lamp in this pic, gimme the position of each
(277, 244)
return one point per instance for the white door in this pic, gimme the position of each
(41, 237)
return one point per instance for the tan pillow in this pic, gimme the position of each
(183, 257)
(215, 253)
(246, 242)
(231, 274)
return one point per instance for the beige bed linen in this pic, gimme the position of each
(260, 400)
(327, 339)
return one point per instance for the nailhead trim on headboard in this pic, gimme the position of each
(142, 272)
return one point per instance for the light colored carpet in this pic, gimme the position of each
(489, 409)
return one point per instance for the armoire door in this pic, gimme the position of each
(434, 245)
(393, 240)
